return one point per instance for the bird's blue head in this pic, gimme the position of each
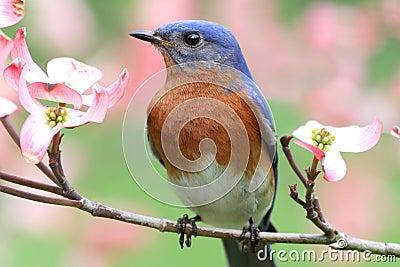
(196, 40)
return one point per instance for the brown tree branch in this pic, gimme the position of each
(318, 209)
(295, 196)
(163, 225)
(30, 183)
(313, 215)
(69, 191)
(285, 141)
(40, 198)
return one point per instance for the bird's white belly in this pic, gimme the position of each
(233, 209)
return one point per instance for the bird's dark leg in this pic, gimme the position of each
(254, 236)
(182, 222)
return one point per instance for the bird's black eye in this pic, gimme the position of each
(192, 39)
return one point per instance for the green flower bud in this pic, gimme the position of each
(53, 115)
(325, 140)
(52, 124)
(322, 139)
(56, 116)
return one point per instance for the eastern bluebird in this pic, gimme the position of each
(211, 95)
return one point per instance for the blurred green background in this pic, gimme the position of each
(334, 61)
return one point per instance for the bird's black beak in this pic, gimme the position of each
(150, 36)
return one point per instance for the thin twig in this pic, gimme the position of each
(57, 169)
(10, 129)
(295, 195)
(43, 168)
(40, 198)
(317, 208)
(312, 173)
(68, 190)
(15, 137)
(60, 167)
(285, 141)
(314, 212)
(30, 183)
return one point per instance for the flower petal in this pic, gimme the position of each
(6, 107)
(30, 104)
(347, 139)
(87, 100)
(96, 112)
(6, 45)
(73, 73)
(334, 166)
(55, 92)
(20, 49)
(36, 136)
(11, 11)
(355, 138)
(13, 72)
(304, 132)
(115, 91)
(395, 131)
(318, 153)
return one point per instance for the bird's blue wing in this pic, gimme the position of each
(235, 258)
(270, 140)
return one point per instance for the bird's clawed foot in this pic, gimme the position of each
(182, 222)
(254, 236)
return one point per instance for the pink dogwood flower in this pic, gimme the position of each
(326, 143)
(11, 11)
(6, 45)
(64, 84)
(6, 106)
(67, 71)
(44, 122)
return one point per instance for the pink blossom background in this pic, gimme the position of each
(337, 62)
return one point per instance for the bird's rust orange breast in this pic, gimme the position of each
(200, 128)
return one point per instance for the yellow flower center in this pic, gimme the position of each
(322, 139)
(56, 116)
